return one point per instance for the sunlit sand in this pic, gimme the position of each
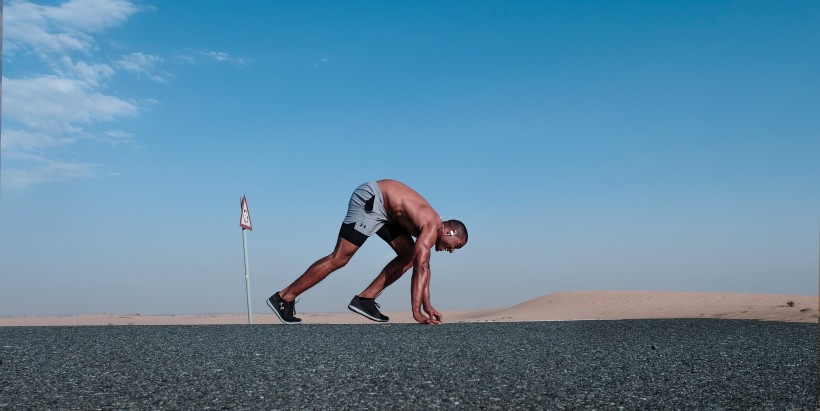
(563, 306)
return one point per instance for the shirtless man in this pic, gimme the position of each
(396, 213)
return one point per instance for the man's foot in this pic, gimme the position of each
(367, 307)
(283, 309)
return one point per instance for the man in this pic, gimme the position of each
(395, 213)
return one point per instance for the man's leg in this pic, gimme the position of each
(320, 269)
(403, 246)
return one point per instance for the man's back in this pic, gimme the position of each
(408, 208)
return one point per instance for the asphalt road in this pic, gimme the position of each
(649, 364)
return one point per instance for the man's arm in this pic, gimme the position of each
(427, 306)
(420, 282)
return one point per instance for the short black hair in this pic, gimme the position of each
(461, 229)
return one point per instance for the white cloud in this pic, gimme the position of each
(92, 74)
(74, 96)
(141, 64)
(63, 28)
(18, 141)
(91, 15)
(115, 137)
(51, 112)
(195, 56)
(41, 169)
(218, 55)
(186, 58)
(25, 27)
(138, 62)
(59, 105)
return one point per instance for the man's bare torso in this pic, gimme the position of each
(408, 208)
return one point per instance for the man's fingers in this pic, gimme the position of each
(429, 321)
(433, 318)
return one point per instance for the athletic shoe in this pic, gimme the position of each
(283, 309)
(367, 307)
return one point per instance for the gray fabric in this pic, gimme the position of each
(366, 222)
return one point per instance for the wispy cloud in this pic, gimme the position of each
(90, 74)
(24, 141)
(198, 56)
(142, 64)
(67, 102)
(72, 97)
(50, 112)
(59, 105)
(39, 169)
(61, 29)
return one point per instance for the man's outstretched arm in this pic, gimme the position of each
(434, 314)
(420, 282)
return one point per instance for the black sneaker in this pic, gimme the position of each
(367, 307)
(283, 309)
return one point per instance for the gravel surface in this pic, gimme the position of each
(635, 364)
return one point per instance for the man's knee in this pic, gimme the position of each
(339, 260)
(342, 253)
(404, 247)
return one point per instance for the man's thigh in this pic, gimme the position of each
(350, 233)
(399, 239)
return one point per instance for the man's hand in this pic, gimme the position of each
(433, 313)
(423, 319)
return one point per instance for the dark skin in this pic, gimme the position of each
(419, 219)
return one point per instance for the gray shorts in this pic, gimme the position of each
(366, 215)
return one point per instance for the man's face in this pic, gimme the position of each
(448, 243)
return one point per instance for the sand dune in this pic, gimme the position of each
(615, 305)
(578, 305)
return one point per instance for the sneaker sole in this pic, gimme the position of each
(366, 315)
(275, 311)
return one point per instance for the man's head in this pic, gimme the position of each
(452, 236)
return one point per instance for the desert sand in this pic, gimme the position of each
(563, 306)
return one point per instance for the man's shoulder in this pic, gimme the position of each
(391, 183)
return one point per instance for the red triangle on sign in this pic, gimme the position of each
(245, 218)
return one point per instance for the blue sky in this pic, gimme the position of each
(586, 145)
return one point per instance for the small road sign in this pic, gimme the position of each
(245, 218)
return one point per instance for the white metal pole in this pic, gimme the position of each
(247, 276)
